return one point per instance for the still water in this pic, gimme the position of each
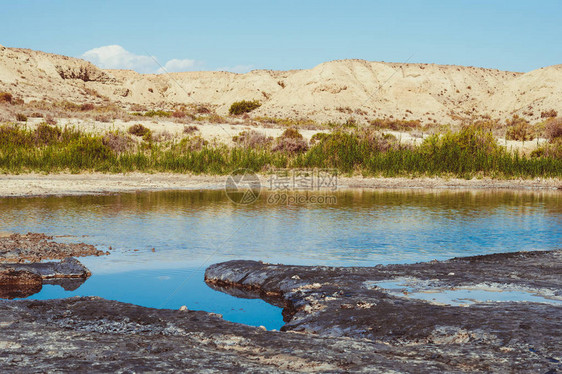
(189, 230)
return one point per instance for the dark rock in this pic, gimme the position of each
(90, 334)
(24, 280)
(342, 302)
(67, 268)
(35, 247)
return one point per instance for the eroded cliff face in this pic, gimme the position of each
(332, 91)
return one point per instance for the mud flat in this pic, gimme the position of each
(26, 185)
(338, 320)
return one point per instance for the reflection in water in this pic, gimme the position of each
(190, 230)
(13, 291)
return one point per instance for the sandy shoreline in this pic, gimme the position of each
(96, 183)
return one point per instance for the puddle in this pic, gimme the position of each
(462, 296)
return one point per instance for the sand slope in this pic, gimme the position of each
(333, 90)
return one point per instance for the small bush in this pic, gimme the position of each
(49, 120)
(554, 129)
(6, 97)
(190, 129)
(215, 118)
(519, 129)
(551, 150)
(46, 134)
(117, 142)
(318, 137)
(157, 113)
(87, 107)
(201, 109)
(21, 117)
(190, 144)
(241, 107)
(291, 141)
(396, 125)
(549, 114)
(289, 145)
(253, 139)
(138, 130)
(291, 133)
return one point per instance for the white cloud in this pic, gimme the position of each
(237, 68)
(117, 57)
(175, 65)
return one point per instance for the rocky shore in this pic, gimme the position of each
(347, 303)
(23, 272)
(338, 320)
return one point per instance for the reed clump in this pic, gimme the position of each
(466, 153)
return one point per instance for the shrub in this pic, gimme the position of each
(551, 150)
(215, 118)
(290, 145)
(241, 107)
(549, 114)
(190, 129)
(6, 97)
(87, 107)
(50, 120)
(190, 144)
(396, 125)
(554, 129)
(318, 137)
(202, 109)
(138, 130)
(46, 134)
(252, 139)
(21, 117)
(291, 133)
(117, 142)
(468, 142)
(157, 113)
(518, 129)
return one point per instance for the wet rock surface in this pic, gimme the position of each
(97, 335)
(67, 268)
(22, 273)
(338, 321)
(20, 280)
(345, 302)
(34, 247)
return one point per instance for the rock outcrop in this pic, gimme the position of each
(346, 302)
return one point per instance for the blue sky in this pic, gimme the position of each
(241, 35)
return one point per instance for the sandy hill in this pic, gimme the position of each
(333, 90)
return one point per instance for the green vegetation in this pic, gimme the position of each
(519, 129)
(157, 113)
(467, 153)
(244, 106)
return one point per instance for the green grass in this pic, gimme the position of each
(464, 154)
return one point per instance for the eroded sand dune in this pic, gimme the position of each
(330, 91)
